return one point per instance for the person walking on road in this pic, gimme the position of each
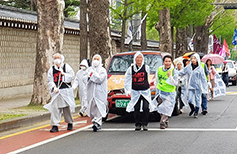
(136, 84)
(166, 81)
(60, 77)
(78, 83)
(96, 85)
(225, 71)
(212, 73)
(197, 83)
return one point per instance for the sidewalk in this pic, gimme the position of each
(10, 106)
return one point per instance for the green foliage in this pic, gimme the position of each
(23, 4)
(71, 8)
(157, 5)
(152, 34)
(224, 26)
(118, 11)
(190, 12)
(10, 116)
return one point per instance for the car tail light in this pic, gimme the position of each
(152, 83)
(153, 93)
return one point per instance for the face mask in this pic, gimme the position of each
(57, 61)
(96, 63)
(83, 68)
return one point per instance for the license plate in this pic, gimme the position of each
(121, 103)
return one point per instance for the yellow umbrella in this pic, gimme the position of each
(187, 55)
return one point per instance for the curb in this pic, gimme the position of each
(27, 120)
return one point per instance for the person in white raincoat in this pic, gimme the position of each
(181, 81)
(166, 82)
(197, 83)
(78, 83)
(60, 77)
(96, 85)
(137, 85)
(184, 84)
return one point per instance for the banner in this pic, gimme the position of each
(216, 45)
(220, 88)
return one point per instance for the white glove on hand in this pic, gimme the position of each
(209, 84)
(61, 70)
(128, 93)
(56, 90)
(90, 73)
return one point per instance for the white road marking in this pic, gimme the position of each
(170, 129)
(49, 140)
(231, 93)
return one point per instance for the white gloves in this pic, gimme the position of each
(55, 89)
(128, 93)
(209, 84)
(61, 70)
(90, 73)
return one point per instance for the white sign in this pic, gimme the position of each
(220, 88)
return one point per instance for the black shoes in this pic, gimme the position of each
(69, 126)
(54, 129)
(96, 127)
(81, 114)
(145, 128)
(204, 112)
(195, 115)
(138, 128)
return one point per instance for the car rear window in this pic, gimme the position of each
(119, 64)
(230, 64)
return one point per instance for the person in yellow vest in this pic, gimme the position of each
(166, 81)
(197, 83)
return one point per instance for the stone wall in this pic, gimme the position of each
(17, 59)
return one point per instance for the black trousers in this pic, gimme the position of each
(141, 118)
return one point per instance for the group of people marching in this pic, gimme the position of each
(189, 80)
(92, 84)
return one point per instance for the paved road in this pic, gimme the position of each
(214, 133)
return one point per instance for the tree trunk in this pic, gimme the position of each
(143, 32)
(201, 39)
(99, 35)
(164, 29)
(122, 39)
(49, 41)
(83, 30)
(181, 42)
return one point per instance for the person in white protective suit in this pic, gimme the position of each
(96, 85)
(60, 77)
(136, 84)
(197, 83)
(166, 82)
(78, 83)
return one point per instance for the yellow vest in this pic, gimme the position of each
(162, 77)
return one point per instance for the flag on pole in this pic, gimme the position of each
(129, 33)
(226, 48)
(234, 42)
(139, 29)
(191, 43)
(222, 52)
(216, 45)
